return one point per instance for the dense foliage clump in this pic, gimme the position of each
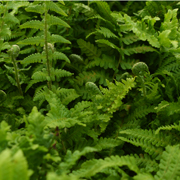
(89, 90)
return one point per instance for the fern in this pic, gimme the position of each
(141, 49)
(54, 7)
(105, 32)
(87, 10)
(53, 20)
(139, 29)
(59, 116)
(104, 10)
(168, 127)
(90, 168)
(129, 39)
(39, 40)
(169, 164)
(106, 62)
(71, 158)
(115, 93)
(104, 41)
(89, 49)
(34, 58)
(140, 112)
(33, 24)
(13, 166)
(150, 143)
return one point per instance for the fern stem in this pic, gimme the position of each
(46, 48)
(16, 74)
(143, 85)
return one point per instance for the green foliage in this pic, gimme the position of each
(89, 90)
(13, 166)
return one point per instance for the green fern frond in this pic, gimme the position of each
(13, 165)
(15, 5)
(54, 7)
(86, 10)
(37, 8)
(169, 167)
(27, 50)
(40, 76)
(104, 62)
(33, 41)
(59, 73)
(171, 66)
(59, 115)
(129, 39)
(153, 94)
(91, 76)
(106, 143)
(143, 31)
(108, 43)
(10, 19)
(168, 108)
(127, 63)
(12, 80)
(170, 23)
(30, 84)
(140, 112)
(168, 127)
(70, 96)
(39, 96)
(53, 20)
(98, 17)
(57, 38)
(150, 142)
(17, 34)
(34, 58)
(145, 163)
(71, 158)
(80, 106)
(89, 49)
(92, 167)
(5, 32)
(105, 32)
(153, 8)
(138, 49)
(114, 95)
(61, 56)
(104, 10)
(10, 69)
(33, 24)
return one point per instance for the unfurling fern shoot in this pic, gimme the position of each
(14, 52)
(140, 69)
